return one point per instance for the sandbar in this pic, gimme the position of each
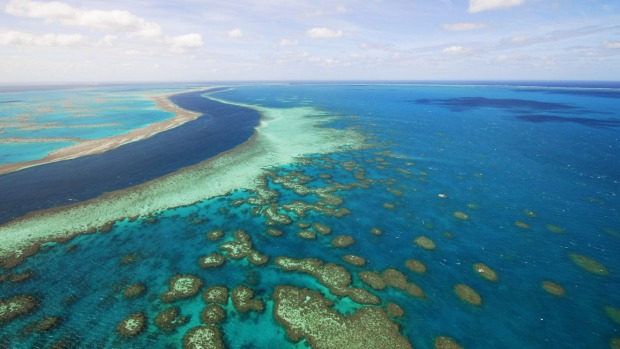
(98, 146)
(282, 136)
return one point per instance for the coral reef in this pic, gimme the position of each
(398, 280)
(181, 287)
(132, 325)
(335, 277)
(443, 342)
(15, 306)
(215, 234)
(243, 300)
(376, 231)
(212, 314)
(354, 260)
(203, 337)
(321, 229)
(394, 310)
(485, 272)
(467, 294)
(274, 232)
(241, 248)
(553, 288)
(425, 243)
(460, 215)
(613, 314)
(306, 234)
(46, 324)
(522, 225)
(589, 264)
(134, 290)
(373, 279)
(213, 260)
(342, 241)
(169, 319)
(415, 266)
(307, 314)
(216, 294)
(554, 228)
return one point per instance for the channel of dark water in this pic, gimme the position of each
(221, 128)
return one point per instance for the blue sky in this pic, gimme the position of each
(141, 40)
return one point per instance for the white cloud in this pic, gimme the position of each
(612, 44)
(185, 42)
(519, 39)
(109, 21)
(464, 26)
(324, 33)
(287, 42)
(49, 40)
(456, 50)
(485, 5)
(341, 9)
(235, 33)
(108, 40)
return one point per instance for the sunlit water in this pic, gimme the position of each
(522, 179)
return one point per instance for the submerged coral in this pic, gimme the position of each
(203, 337)
(243, 300)
(354, 260)
(13, 307)
(213, 260)
(216, 294)
(425, 243)
(169, 319)
(485, 272)
(467, 294)
(589, 264)
(443, 342)
(212, 314)
(181, 287)
(343, 241)
(394, 310)
(553, 288)
(134, 290)
(307, 314)
(132, 325)
(416, 266)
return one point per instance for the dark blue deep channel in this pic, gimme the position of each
(222, 127)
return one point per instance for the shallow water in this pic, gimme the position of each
(534, 170)
(221, 128)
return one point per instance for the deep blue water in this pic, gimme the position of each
(222, 127)
(501, 154)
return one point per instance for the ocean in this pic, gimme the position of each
(474, 215)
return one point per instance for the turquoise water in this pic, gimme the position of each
(18, 152)
(85, 112)
(535, 169)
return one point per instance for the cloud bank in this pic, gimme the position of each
(486, 5)
(464, 26)
(324, 33)
(13, 37)
(108, 21)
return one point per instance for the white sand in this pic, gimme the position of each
(98, 146)
(282, 135)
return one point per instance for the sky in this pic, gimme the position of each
(215, 40)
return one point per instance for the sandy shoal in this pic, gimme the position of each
(282, 136)
(97, 146)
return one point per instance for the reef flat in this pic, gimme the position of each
(283, 135)
(97, 146)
